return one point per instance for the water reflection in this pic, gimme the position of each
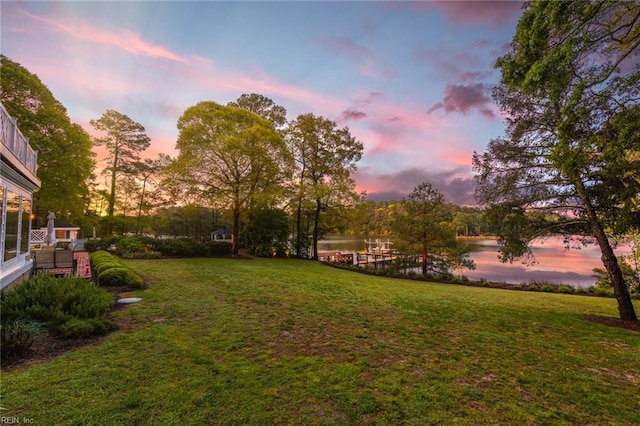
(554, 263)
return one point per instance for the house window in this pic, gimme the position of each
(24, 228)
(11, 226)
(2, 191)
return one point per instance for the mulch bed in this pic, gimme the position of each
(614, 322)
(49, 347)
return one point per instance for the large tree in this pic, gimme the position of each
(228, 155)
(569, 164)
(124, 140)
(325, 157)
(146, 172)
(424, 220)
(65, 160)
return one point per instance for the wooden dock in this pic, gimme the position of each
(336, 256)
(362, 258)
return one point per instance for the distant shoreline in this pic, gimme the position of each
(477, 237)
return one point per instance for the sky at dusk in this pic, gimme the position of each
(412, 81)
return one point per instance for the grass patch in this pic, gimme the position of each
(223, 341)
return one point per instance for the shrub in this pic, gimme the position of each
(174, 247)
(96, 244)
(101, 267)
(112, 272)
(129, 245)
(547, 287)
(119, 276)
(567, 289)
(77, 327)
(147, 254)
(218, 248)
(533, 287)
(18, 336)
(600, 291)
(412, 275)
(56, 301)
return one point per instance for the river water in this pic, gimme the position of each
(553, 262)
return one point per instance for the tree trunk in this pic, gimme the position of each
(236, 231)
(144, 185)
(112, 195)
(425, 254)
(316, 231)
(609, 259)
(298, 226)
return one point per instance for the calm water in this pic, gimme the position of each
(553, 264)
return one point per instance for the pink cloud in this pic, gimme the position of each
(123, 39)
(493, 13)
(456, 185)
(463, 98)
(351, 114)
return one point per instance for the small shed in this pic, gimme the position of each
(66, 232)
(223, 234)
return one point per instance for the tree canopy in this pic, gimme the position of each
(124, 140)
(264, 107)
(325, 156)
(424, 220)
(570, 162)
(65, 160)
(230, 155)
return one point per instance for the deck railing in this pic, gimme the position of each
(16, 142)
(38, 236)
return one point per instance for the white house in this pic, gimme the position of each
(64, 232)
(18, 182)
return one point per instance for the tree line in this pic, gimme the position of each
(569, 162)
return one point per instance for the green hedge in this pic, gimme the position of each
(120, 276)
(110, 271)
(142, 247)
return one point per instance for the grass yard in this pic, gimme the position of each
(261, 342)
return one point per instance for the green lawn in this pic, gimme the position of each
(222, 341)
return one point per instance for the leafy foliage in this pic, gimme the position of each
(124, 139)
(268, 232)
(118, 276)
(18, 335)
(325, 156)
(570, 162)
(65, 160)
(112, 272)
(262, 106)
(423, 222)
(55, 302)
(230, 156)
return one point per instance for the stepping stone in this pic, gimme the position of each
(128, 300)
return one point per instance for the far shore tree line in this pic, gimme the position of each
(568, 164)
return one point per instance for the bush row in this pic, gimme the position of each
(65, 307)
(111, 272)
(448, 278)
(142, 247)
